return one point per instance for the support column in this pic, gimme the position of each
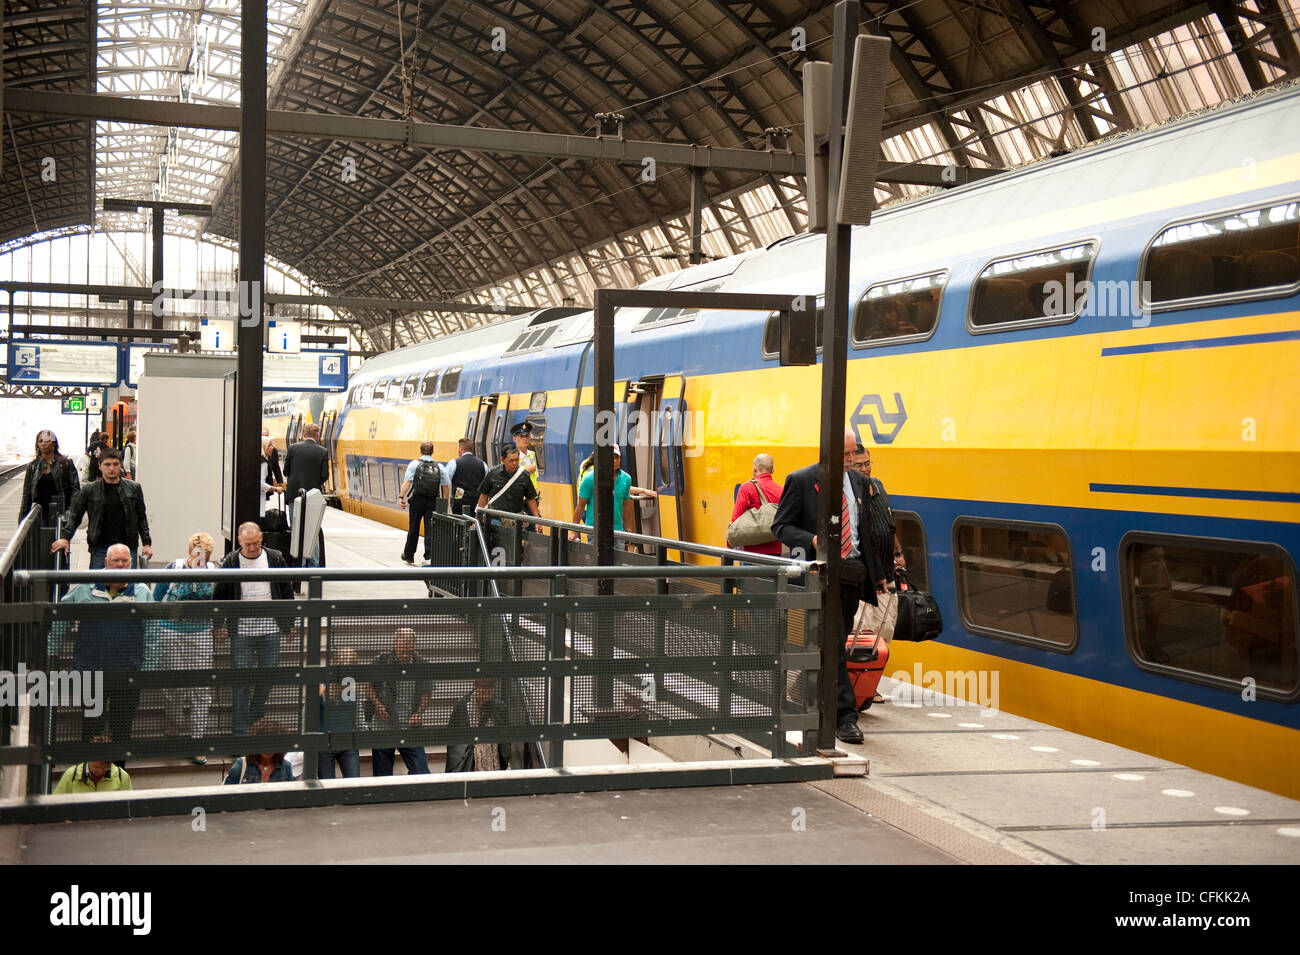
(252, 254)
(834, 374)
(697, 214)
(603, 503)
(158, 213)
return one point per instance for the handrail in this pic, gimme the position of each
(677, 545)
(16, 542)
(649, 571)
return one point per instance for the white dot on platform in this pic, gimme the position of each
(914, 706)
(1130, 777)
(1085, 762)
(1231, 811)
(1044, 749)
(1179, 793)
(1292, 831)
(940, 716)
(972, 726)
(1005, 736)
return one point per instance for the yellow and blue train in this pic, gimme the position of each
(1080, 382)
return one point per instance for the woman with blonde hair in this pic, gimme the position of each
(185, 643)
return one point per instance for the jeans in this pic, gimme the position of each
(349, 761)
(381, 761)
(98, 555)
(245, 648)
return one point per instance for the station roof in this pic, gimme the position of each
(978, 84)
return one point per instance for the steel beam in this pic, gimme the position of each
(439, 135)
(252, 262)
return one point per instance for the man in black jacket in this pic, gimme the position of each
(254, 641)
(465, 473)
(306, 465)
(862, 577)
(117, 513)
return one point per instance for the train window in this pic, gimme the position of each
(380, 389)
(395, 391)
(905, 310)
(772, 331)
(450, 381)
(429, 384)
(388, 492)
(409, 386)
(1037, 288)
(538, 442)
(373, 481)
(911, 535)
(1253, 253)
(1015, 581)
(1215, 612)
(658, 317)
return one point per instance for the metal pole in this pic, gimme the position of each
(130, 316)
(834, 373)
(252, 253)
(697, 214)
(158, 214)
(603, 509)
(392, 331)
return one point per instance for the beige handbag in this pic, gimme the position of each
(754, 526)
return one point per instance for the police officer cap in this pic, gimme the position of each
(522, 427)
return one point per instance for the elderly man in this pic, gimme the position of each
(760, 489)
(254, 641)
(113, 646)
(862, 577)
(116, 509)
(399, 704)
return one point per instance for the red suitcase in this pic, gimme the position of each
(866, 661)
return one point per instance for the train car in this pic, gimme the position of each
(286, 413)
(1078, 382)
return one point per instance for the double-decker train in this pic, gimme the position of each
(1080, 382)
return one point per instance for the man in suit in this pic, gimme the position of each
(306, 465)
(306, 468)
(465, 474)
(862, 577)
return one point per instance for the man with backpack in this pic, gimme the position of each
(425, 482)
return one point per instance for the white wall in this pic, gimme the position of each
(180, 447)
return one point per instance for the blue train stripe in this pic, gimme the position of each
(1225, 342)
(1225, 494)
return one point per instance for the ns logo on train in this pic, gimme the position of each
(884, 425)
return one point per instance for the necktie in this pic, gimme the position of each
(846, 532)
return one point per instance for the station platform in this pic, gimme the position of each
(947, 783)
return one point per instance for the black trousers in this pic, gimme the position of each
(420, 506)
(846, 702)
(121, 700)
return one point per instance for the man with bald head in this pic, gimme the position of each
(761, 488)
(254, 641)
(111, 646)
(399, 705)
(861, 576)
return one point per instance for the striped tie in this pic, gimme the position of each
(846, 532)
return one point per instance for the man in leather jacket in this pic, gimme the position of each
(117, 513)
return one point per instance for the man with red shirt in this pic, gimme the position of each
(747, 497)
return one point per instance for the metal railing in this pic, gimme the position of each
(678, 650)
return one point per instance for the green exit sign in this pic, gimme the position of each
(74, 404)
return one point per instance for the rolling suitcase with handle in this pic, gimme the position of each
(867, 656)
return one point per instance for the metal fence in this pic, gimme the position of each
(523, 657)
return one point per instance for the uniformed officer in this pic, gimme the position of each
(523, 436)
(507, 487)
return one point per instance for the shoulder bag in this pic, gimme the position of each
(754, 526)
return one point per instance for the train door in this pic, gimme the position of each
(655, 409)
(487, 427)
(500, 430)
(670, 430)
(327, 442)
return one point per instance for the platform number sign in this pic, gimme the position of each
(27, 362)
(74, 404)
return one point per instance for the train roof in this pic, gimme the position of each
(1074, 192)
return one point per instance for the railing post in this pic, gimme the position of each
(311, 713)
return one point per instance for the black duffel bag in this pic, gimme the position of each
(918, 613)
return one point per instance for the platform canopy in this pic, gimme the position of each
(990, 85)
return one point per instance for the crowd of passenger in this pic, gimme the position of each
(101, 488)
